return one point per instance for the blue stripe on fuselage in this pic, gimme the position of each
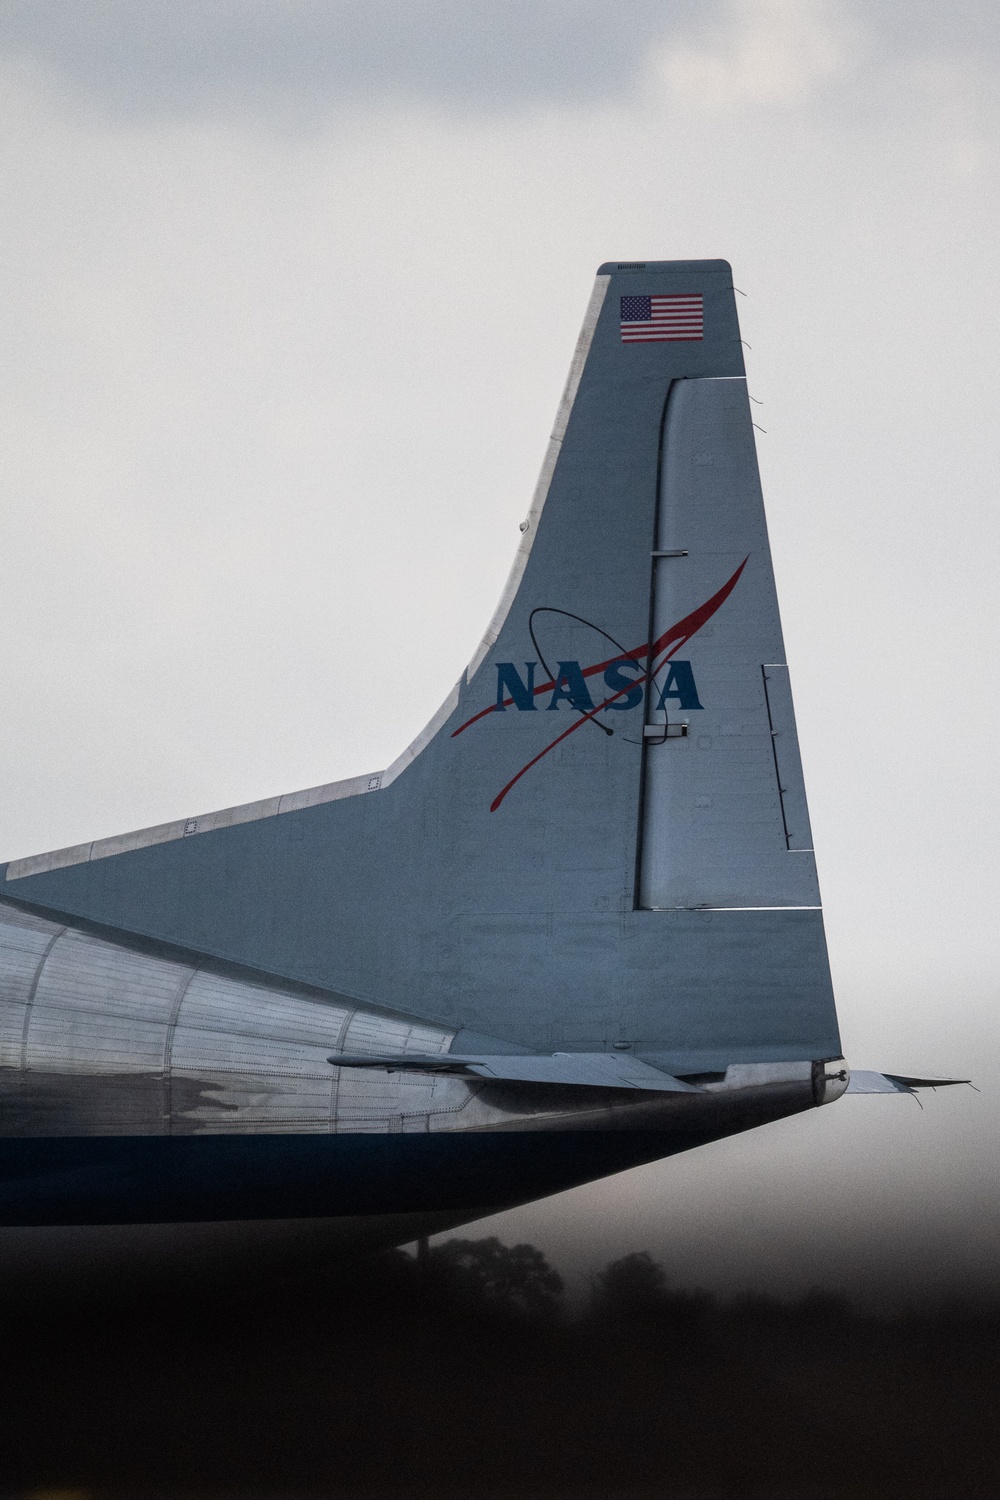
(157, 1179)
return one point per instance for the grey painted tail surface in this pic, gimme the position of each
(714, 834)
(602, 837)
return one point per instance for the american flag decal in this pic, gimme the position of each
(662, 319)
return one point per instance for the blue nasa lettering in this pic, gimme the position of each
(680, 686)
(616, 682)
(569, 686)
(509, 681)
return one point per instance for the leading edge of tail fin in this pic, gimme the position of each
(530, 525)
(601, 838)
(675, 318)
(703, 337)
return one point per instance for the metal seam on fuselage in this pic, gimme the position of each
(335, 1080)
(32, 992)
(168, 1049)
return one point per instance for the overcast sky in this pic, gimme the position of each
(289, 297)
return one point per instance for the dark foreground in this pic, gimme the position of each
(466, 1378)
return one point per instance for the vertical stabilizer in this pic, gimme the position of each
(601, 841)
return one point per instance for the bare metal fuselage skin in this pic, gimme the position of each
(599, 847)
(144, 1088)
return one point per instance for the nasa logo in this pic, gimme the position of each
(569, 686)
(626, 677)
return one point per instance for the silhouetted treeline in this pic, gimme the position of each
(464, 1374)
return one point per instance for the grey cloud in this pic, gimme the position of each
(963, 27)
(198, 57)
(181, 56)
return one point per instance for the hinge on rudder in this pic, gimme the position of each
(656, 734)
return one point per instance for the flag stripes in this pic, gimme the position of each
(660, 319)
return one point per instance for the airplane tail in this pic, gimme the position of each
(601, 841)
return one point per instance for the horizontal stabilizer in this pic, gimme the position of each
(895, 1083)
(606, 1070)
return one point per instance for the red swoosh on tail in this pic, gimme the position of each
(711, 605)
